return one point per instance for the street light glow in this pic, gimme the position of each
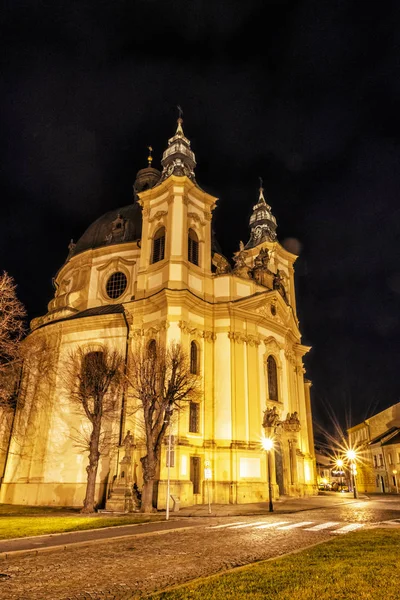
(351, 454)
(267, 443)
(339, 463)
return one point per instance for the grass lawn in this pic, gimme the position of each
(23, 521)
(357, 566)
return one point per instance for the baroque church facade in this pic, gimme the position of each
(153, 270)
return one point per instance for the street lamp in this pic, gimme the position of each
(351, 455)
(339, 466)
(167, 421)
(395, 480)
(268, 444)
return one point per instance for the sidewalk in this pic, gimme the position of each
(178, 520)
(284, 505)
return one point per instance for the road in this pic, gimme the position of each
(152, 560)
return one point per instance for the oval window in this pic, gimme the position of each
(116, 285)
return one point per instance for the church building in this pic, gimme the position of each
(153, 270)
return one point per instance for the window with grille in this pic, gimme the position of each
(390, 458)
(375, 461)
(272, 378)
(158, 245)
(116, 285)
(193, 247)
(194, 417)
(194, 358)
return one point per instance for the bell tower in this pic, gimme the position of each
(176, 231)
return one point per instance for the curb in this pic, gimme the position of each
(55, 548)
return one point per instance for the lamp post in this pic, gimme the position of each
(351, 455)
(268, 444)
(339, 466)
(395, 480)
(168, 414)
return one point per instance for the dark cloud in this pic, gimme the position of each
(304, 94)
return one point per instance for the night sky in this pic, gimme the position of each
(302, 94)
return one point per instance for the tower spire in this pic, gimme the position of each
(178, 159)
(262, 221)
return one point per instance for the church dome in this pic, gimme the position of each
(117, 226)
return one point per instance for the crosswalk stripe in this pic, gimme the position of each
(322, 526)
(226, 525)
(268, 525)
(294, 525)
(347, 528)
(247, 525)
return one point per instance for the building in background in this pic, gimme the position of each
(377, 441)
(153, 271)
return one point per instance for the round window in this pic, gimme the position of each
(116, 285)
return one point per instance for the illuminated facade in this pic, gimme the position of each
(153, 271)
(377, 441)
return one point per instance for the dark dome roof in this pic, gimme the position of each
(115, 227)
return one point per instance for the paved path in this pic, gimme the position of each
(134, 566)
(188, 516)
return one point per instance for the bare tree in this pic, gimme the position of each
(12, 313)
(93, 380)
(162, 383)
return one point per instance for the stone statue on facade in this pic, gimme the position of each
(221, 265)
(241, 269)
(278, 284)
(271, 417)
(261, 273)
(128, 444)
(292, 422)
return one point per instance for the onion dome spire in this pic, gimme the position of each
(178, 159)
(148, 177)
(262, 222)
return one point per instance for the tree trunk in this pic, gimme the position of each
(94, 455)
(147, 497)
(149, 467)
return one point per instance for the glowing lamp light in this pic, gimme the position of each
(267, 444)
(351, 454)
(339, 463)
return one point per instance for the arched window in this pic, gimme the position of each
(272, 373)
(193, 247)
(194, 358)
(158, 245)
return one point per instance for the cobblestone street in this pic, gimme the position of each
(132, 567)
(136, 566)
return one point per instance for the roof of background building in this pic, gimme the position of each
(380, 437)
